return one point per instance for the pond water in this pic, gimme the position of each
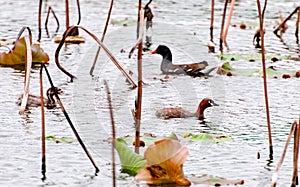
(184, 27)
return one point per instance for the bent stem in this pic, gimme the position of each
(103, 36)
(265, 79)
(141, 33)
(275, 175)
(222, 26)
(47, 18)
(75, 31)
(113, 132)
(70, 123)
(28, 42)
(281, 25)
(109, 54)
(228, 22)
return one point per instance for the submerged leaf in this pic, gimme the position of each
(204, 137)
(18, 54)
(214, 181)
(165, 159)
(131, 162)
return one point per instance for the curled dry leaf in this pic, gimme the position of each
(18, 54)
(165, 159)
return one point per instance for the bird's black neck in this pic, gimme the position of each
(168, 57)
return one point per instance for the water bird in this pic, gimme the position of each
(178, 112)
(34, 100)
(167, 67)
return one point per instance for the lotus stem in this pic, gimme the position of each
(27, 75)
(222, 26)
(297, 26)
(113, 132)
(43, 125)
(103, 36)
(212, 21)
(140, 81)
(79, 12)
(141, 33)
(29, 33)
(228, 21)
(67, 14)
(296, 155)
(39, 21)
(55, 17)
(281, 25)
(109, 54)
(71, 124)
(275, 175)
(265, 79)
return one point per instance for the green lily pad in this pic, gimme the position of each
(248, 57)
(147, 139)
(131, 163)
(204, 137)
(227, 69)
(18, 55)
(59, 140)
(124, 22)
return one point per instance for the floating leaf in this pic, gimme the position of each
(59, 140)
(124, 22)
(214, 181)
(18, 54)
(227, 69)
(165, 159)
(251, 57)
(131, 163)
(64, 140)
(173, 136)
(204, 137)
(147, 139)
(50, 137)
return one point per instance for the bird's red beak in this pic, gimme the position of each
(153, 52)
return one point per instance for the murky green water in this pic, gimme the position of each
(184, 26)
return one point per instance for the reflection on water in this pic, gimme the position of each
(241, 114)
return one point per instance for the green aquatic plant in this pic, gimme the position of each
(131, 163)
(125, 22)
(60, 139)
(251, 57)
(204, 137)
(227, 69)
